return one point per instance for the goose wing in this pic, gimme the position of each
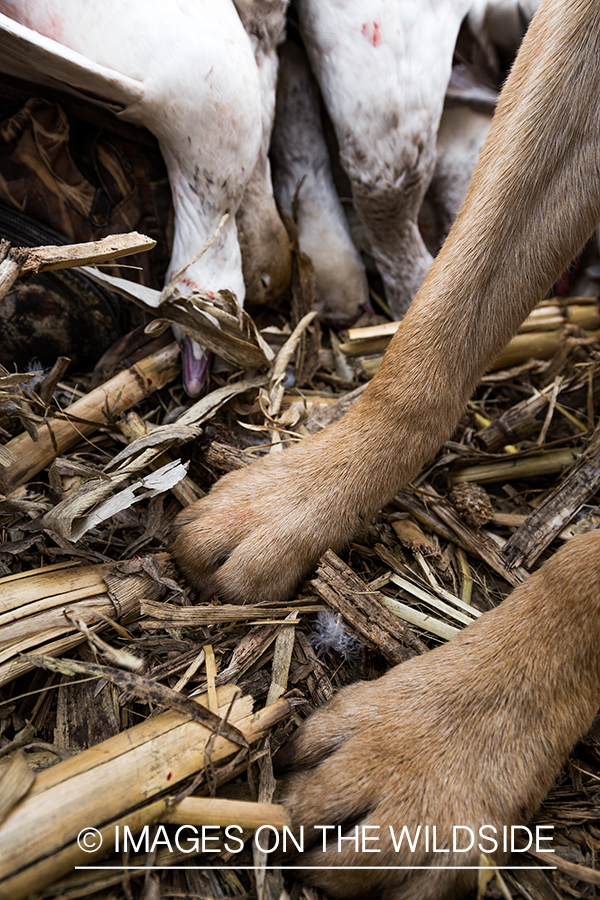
(29, 55)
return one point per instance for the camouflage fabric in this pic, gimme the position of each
(70, 172)
(85, 182)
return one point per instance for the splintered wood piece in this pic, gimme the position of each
(408, 502)
(518, 421)
(101, 787)
(88, 254)
(226, 458)
(478, 542)
(23, 262)
(319, 685)
(169, 615)
(48, 384)
(546, 522)
(576, 871)
(211, 676)
(12, 261)
(361, 607)
(87, 712)
(148, 690)
(32, 609)
(282, 657)
(249, 650)
(513, 424)
(87, 414)
(302, 300)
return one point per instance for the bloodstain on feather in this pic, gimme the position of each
(371, 33)
(194, 286)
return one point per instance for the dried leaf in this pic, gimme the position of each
(70, 517)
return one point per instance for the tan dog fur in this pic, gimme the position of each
(475, 732)
(533, 201)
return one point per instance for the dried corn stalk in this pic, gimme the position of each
(33, 605)
(104, 786)
(87, 414)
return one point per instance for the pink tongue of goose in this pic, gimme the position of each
(195, 359)
(195, 362)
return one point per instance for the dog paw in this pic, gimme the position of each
(263, 528)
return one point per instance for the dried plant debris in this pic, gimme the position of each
(102, 643)
(473, 504)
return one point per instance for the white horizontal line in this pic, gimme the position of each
(301, 868)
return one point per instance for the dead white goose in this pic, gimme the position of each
(301, 169)
(498, 27)
(263, 239)
(383, 68)
(184, 69)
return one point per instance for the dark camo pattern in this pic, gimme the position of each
(85, 182)
(69, 167)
